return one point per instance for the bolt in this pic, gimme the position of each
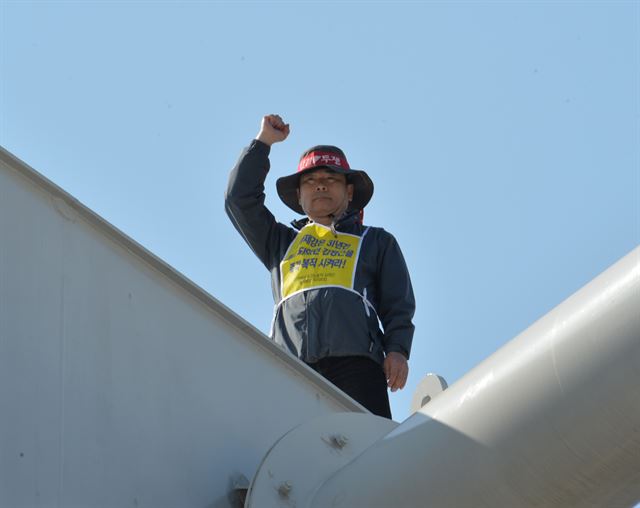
(339, 441)
(284, 489)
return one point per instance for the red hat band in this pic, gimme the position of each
(319, 159)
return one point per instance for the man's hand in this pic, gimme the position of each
(272, 130)
(396, 370)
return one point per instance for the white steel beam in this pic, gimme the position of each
(550, 420)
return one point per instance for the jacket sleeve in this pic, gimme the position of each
(396, 300)
(244, 204)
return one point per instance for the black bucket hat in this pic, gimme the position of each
(329, 157)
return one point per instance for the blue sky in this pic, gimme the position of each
(502, 137)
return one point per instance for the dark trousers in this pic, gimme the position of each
(359, 377)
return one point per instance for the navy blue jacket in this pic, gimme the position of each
(327, 321)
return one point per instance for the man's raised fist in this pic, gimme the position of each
(273, 130)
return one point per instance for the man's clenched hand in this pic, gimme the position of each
(272, 130)
(396, 370)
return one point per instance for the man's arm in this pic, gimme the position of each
(396, 309)
(244, 198)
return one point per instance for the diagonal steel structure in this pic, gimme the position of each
(552, 419)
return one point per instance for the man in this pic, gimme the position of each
(333, 279)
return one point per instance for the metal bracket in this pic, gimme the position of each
(305, 457)
(430, 387)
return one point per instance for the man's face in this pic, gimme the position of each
(322, 193)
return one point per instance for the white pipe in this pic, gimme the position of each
(552, 419)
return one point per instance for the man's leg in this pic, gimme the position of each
(361, 378)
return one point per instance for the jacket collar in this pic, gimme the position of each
(348, 221)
